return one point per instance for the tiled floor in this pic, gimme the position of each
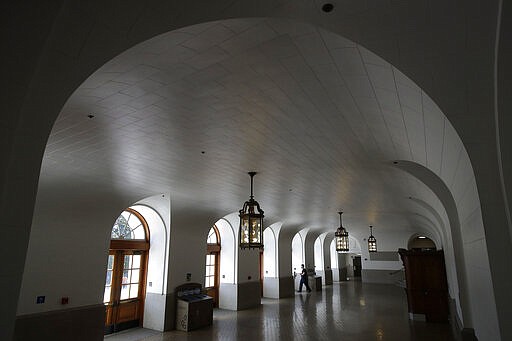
(344, 311)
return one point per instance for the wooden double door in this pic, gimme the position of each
(125, 289)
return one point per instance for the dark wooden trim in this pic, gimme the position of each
(213, 248)
(141, 218)
(122, 244)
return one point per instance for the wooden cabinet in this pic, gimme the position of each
(426, 285)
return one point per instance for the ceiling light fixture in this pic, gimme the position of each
(341, 237)
(251, 222)
(372, 242)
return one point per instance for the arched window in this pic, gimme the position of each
(211, 280)
(130, 225)
(213, 236)
(126, 272)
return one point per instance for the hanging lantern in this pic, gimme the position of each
(341, 238)
(251, 223)
(372, 242)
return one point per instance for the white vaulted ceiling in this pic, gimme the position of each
(191, 111)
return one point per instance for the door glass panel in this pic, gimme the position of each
(125, 291)
(136, 262)
(135, 276)
(126, 276)
(109, 278)
(134, 290)
(106, 295)
(110, 263)
(127, 262)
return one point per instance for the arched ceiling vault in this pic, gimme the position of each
(191, 111)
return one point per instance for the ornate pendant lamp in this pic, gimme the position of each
(251, 223)
(341, 238)
(372, 242)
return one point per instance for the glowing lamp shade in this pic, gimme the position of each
(372, 242)
(251, 222)
(341, 236)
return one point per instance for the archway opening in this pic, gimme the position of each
(421, 243)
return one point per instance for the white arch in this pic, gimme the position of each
(298, 256)
(156, 212)
(334, 255)
(319, 250)
(270, 253)
(227, 251)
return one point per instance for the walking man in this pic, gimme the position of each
(304, 279)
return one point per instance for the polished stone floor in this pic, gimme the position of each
(344, 311)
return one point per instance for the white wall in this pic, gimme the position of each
(333, 255)
(228, 248)
(269, 253)
(297, 253)
(156, 212)
(319, 259)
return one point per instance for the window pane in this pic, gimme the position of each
(125, 292)
(106, 295)
(115, 232)
(135, 276)
(128, 226)
(136, 261)
(125, 215)
(133, 220)
(134, 290)
(109, 278)
(126, 276)
(138, 232)
(110, 263)
(212, 237)
(123, 230)
(127, 262)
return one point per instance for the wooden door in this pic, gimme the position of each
(124, 289)
(427, 288)
(212, 274)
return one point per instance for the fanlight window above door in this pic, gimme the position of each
(128, 226)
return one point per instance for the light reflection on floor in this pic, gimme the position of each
(336, 313)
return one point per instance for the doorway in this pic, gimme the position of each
(356, 265)
(126, 273)
(211, 282)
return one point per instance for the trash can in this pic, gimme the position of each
(193, 308)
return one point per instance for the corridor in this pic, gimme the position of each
(346, 311)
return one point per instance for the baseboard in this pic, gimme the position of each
(77, 324)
